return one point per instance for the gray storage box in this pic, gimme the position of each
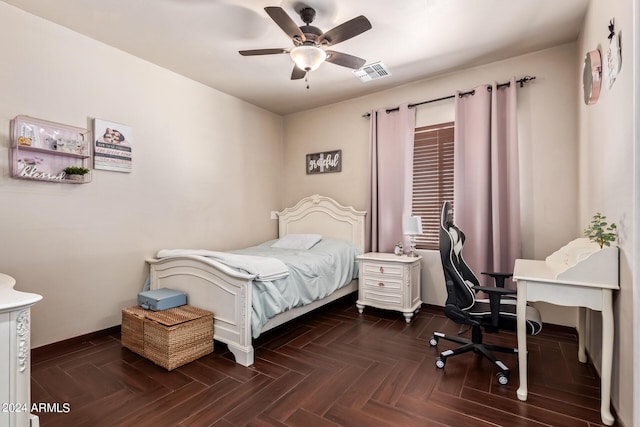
(161, 299)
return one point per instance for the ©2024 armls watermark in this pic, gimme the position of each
(37, 407)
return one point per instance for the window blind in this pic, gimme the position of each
(432, 178)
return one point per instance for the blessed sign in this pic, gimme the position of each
(328, 161)
(31, 171)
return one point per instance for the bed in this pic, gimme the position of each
(228, 292)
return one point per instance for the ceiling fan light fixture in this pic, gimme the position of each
(308, 58)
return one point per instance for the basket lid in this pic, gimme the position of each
(175, 316)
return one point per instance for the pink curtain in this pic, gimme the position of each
(486, 177)
(390, 183)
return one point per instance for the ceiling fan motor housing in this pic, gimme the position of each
(311, 35)
(310, 32)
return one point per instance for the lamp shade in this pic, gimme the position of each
(411, 225)
(308, 58)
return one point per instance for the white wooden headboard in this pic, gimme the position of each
(323, 215)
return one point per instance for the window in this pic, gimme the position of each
(432, 178)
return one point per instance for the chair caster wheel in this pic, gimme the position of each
(440, 363)
(502, 378)
(433, 341)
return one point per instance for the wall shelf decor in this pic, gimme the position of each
(41, 150)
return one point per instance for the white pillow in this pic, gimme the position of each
(297, 241)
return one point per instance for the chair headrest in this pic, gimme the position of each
(446, 215)
(456, 236)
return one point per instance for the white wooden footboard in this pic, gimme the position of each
(215, 287)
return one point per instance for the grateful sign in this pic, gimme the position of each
(328, 161)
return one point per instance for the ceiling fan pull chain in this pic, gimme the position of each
(306, 79)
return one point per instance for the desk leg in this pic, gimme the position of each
(582, 331)
(607, 357)
(521, 309)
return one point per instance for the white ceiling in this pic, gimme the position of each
(415, 39)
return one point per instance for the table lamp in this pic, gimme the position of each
(412, 226)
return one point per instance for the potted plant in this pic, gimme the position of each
(600, 232)
(76, 173)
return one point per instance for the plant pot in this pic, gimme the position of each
(75, 177)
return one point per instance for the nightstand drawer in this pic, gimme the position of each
(387, 300)
(384, 285)
(382, 269)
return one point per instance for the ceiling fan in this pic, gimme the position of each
(311, 43)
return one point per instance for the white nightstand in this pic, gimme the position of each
(389, 282)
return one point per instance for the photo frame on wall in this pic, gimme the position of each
(112, 146)
(324, 162)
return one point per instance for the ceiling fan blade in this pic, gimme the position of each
(285, 22)
(297, 73)
(347, 30)
(262, 52)
(344, 59)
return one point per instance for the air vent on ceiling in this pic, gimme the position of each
(373, 71)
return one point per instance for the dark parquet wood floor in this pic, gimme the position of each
(333, 367)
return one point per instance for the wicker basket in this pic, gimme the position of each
(170, 338)
(132, 335)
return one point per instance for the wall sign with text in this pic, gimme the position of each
(327, 161)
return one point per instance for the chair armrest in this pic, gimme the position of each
(491, 290)
(498, 277)
(494, 300)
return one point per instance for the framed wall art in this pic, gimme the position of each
(327, 161)
(112, 146)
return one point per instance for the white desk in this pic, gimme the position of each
(537, 281)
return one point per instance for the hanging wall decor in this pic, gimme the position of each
(112, 147)
(46, 151)
(327, 161)
(614, 54)
(592, 76)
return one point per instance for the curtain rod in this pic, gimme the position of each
(521, 81)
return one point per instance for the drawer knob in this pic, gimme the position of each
(381, 270)
(381, 284)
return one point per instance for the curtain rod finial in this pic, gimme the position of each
(526, 79)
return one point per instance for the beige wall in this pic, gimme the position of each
(199, 174)
(548, 138)
(607, 185)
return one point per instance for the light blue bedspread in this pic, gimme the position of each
(313, 274)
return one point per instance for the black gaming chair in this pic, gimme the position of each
(499, 311)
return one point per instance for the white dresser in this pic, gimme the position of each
(389, 282)
(15, 349)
